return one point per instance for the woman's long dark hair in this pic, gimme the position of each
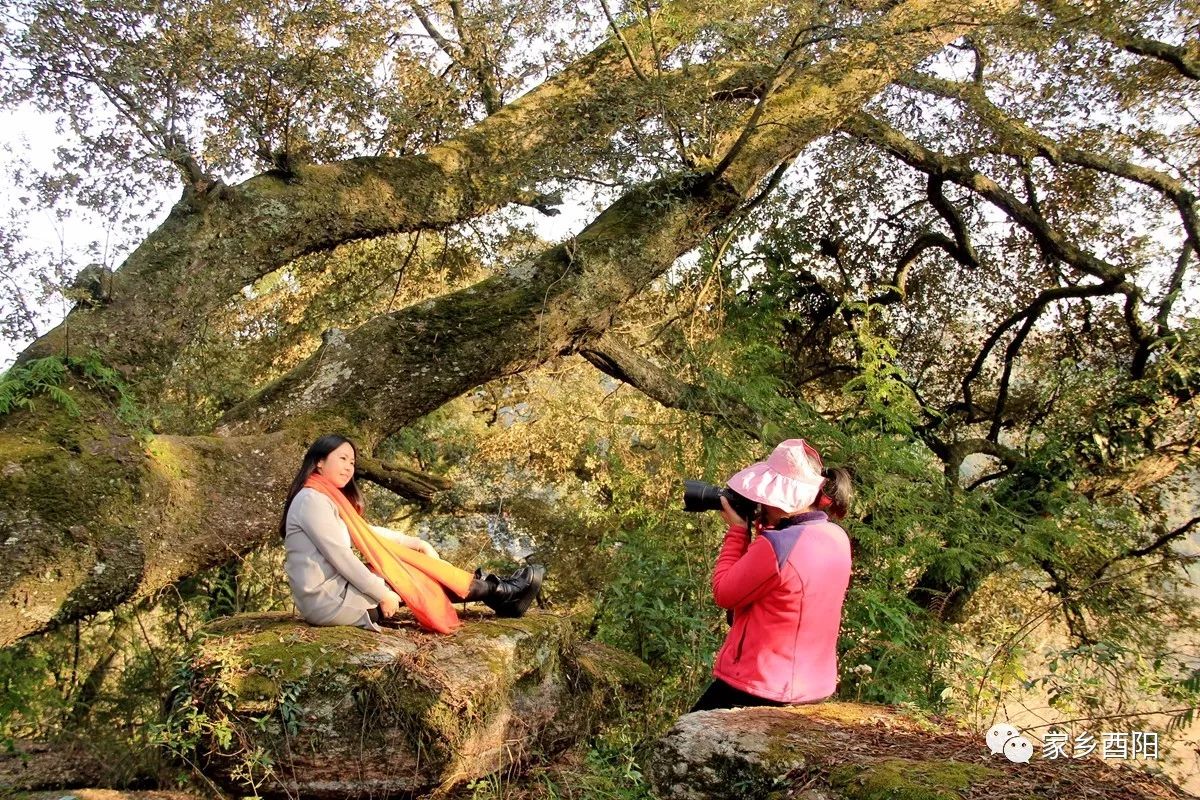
(318, 450)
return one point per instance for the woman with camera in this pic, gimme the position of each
(322, 518)
(785, 589)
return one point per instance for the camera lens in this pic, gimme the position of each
(701, 496)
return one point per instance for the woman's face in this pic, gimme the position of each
(338, 466)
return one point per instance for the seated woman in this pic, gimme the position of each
(787, 587)
(322, 517)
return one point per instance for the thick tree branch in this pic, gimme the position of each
(1183, 59)
(1186, 59)
(566, 296)
(1027, 314)
(1052, 242)
(135, 517)
(964, 251)
(1017, 138)
(615, 357)
(410, 484)
(959, 248)
(1174, 289)
(1010, 359)
(898, 289)
(953, 454)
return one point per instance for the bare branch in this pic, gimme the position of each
(1010, 357)
(1029, 313)
(959, 248)
(321, 206)
(1184, 59)
(620, 37)
(1159, 542)
(445, 44)
(1174, 289)
(1017, 138)
(964, 251)
(476, 62)
(1053, 243)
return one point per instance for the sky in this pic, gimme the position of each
(31, 135)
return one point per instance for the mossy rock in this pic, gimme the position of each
(852, 751)
(345, 712)
(908, 779)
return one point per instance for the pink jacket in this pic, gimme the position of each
(786, 592)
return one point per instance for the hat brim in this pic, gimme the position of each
(760, 483)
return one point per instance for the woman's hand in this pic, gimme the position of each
(729, 514)
(389, 606)
(422, 546)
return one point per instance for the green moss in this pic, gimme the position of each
(908, 779)
(165, 458)
(608, 665)
(272, 646)
(270, 686)
(72, 481)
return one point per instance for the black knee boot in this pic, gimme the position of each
(508, 597)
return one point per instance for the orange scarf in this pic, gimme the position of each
(416, 577)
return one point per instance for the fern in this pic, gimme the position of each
(45, 376)
(1180, 722)
(20, 384)
(59, 396)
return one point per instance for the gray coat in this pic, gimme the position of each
(330, 584)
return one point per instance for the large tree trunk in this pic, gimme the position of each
(94, 516)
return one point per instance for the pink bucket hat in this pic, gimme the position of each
(788, 480)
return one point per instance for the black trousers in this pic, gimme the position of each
(720, 694)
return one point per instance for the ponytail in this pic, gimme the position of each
(836, 493)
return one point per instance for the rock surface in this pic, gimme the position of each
(343, 712)
(848, 751)
(27, 765)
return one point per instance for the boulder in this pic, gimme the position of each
(849, 751)
(291, 709)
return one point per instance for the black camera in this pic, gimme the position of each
(701, 496)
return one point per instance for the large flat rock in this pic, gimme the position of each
(849, 751)
(342, 712)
